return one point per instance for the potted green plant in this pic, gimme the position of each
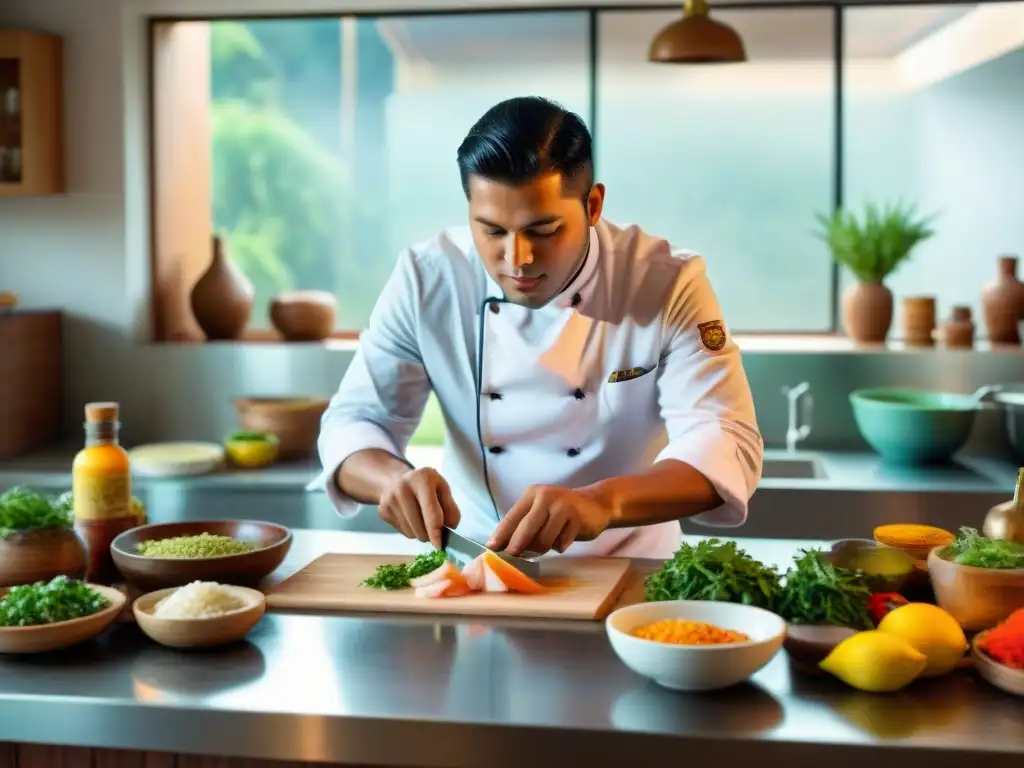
(872, 247)
(37, 538)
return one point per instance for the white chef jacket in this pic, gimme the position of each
(630, 364)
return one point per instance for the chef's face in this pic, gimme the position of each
(532, 238)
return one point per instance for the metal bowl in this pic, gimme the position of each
(885, 569)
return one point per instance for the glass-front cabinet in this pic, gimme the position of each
(31, 122)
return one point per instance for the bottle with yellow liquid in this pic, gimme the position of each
(101, 484)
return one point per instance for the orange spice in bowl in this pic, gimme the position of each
(915, 540)
(682, 632)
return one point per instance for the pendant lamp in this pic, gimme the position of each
(697, 39)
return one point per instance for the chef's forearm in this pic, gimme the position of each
(670, 490)
(366, 475)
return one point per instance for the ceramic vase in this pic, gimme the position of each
(222, 298)
(867, 312)
(1003, 303)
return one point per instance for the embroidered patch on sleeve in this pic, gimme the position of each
(627, 374)
(712, 334)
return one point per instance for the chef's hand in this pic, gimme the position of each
(548, 517)
(418, 505)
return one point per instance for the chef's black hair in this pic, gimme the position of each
(522, 138)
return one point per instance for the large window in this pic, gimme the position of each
(934, 114)
(321, 146)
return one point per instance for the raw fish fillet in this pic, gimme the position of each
(446, 571)
(489, 573)
(444, 588)
(513, 579)
(474, 574)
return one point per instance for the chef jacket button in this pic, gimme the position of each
(496, 449)
(579, 394)
(494, 395)
(573, 452)
(576, 299)
(494, 307)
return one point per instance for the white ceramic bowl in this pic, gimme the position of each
(697, 667)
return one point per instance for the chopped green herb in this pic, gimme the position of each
(817, 592)
(22, 509)
(399, 576)
(60, 599)
(714, 570)
(971, 548)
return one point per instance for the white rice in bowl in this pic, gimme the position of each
(200, 600)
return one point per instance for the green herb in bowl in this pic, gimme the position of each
(22, 509)
(714, 570)
(817, 592)
(973, 549)
(60, 599)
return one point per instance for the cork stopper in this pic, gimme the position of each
(97, 412)
(961, 314)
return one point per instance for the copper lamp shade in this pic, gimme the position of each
(697, 39)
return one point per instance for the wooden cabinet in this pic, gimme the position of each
(31, 114)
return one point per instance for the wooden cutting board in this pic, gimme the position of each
(578, 588)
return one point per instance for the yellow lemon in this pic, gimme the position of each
(932, 631)
(875, 661)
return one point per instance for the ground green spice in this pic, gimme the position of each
(202, 545)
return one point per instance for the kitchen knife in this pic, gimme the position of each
(462, 550)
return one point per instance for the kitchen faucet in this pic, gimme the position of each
(796, 431)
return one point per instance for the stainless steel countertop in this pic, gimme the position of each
(429, 691)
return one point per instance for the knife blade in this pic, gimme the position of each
(462, 550)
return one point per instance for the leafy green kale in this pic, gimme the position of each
(714, 570)
(817, 592)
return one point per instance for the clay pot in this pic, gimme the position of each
(867, 312)
(1003, 303)
(39, 555)
(919, 321)
(958, 331)
(222, 297)
(304, 315)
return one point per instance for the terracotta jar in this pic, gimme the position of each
(867, 312)
(1003, 302)
(919, 321)
(958, 331)
(222, 298)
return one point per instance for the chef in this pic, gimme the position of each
(591, 391)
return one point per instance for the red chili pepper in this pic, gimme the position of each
(881, 603)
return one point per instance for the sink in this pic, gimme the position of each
(792, 468)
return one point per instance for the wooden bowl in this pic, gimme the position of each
(304, 315)
(978, 598)
(1001, 676)
(162, 572)
(38, 555)
(199, 633)
(809, 644)
(295, 421)
(62, 634)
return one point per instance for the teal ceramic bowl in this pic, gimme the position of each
(912, 426)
